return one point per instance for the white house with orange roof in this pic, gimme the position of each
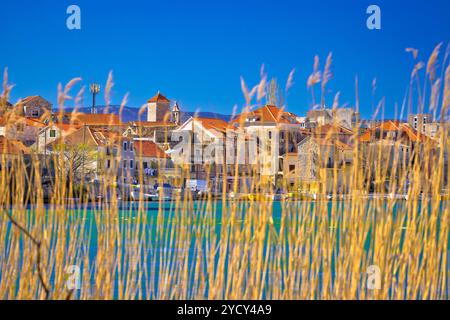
(51, 133)
(96, 120)
(200, 141)
(201, 148)
(274, 131)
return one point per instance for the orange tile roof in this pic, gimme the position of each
(67, 126)
(158, 98)
(89, 137)
(331, 129)
(365, 136)
(213, 123)
(266, 114)
(393, 125)
(13, 119)
(99, 119)
(149, 149)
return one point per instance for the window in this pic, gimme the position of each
(131, 164)
(108, 164)
(291, 167)
(52, 133)
(124, 164)
(145, 164)
(270, 134)
(125, 146)
(35, 113)
(131, 146)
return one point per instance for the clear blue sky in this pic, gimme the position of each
(195, 51)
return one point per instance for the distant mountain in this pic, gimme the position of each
(132, 114)
(186, 115)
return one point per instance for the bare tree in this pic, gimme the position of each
(74, 162)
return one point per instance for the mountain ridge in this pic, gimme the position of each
(132, 114)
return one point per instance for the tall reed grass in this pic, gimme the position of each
(218, 249)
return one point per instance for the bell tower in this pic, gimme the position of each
(158, 108)
(176, 117)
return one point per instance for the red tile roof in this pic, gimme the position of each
(158, 98)
(149, 149)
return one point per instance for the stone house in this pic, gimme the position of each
(35, 107)
(324, 165)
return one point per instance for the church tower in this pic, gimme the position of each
(158, 108)
(176, 117)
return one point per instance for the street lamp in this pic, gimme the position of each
(94, 89)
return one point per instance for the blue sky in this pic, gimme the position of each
(195, 51)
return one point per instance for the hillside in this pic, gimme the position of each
(132, 114)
